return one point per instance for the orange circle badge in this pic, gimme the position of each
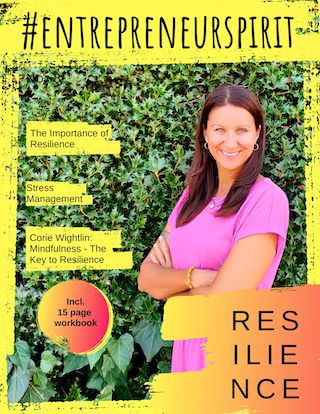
(76, 315)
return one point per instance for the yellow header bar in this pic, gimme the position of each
(135, 32)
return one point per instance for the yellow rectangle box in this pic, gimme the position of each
(74, 248)
(69, 138)
(50, 193)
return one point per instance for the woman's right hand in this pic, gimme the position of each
(202, 277)
(160, 253)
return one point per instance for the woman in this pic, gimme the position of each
(227, 231)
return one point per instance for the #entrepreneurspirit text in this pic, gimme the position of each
(149, 33)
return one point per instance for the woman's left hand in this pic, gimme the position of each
(160, 253)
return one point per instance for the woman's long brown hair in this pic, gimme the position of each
(202, 177)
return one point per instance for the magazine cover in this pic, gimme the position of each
(159, 207)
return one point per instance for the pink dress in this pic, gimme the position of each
(206, 241)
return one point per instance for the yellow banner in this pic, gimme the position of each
(50, 193)
(74, 248)
(69, 138)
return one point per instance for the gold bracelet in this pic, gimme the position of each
(188, 282)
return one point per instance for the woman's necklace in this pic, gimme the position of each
(218, 201)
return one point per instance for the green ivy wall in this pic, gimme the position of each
(153, 111)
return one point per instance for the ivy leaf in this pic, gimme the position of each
(48, 362)
(9, 366)
(74, 393)
(94, 358)
(106, 393)
(18, 384)
(121, 350)
(163, 366)
(73, 362)
(37, 394)
(95, 380)
(79, 99)
(22, 354)
(147, 335)
(39, 379)
(110, 371)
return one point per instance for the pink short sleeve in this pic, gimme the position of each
(174, 213)
(267, 212)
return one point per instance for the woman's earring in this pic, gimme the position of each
(256, 147)
(205, 145)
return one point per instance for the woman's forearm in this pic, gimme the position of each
(202, 290)
(237, 271)
(161, 282)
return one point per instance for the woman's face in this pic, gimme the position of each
(231, 135)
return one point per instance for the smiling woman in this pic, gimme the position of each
(227, 231)
(231, 137)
